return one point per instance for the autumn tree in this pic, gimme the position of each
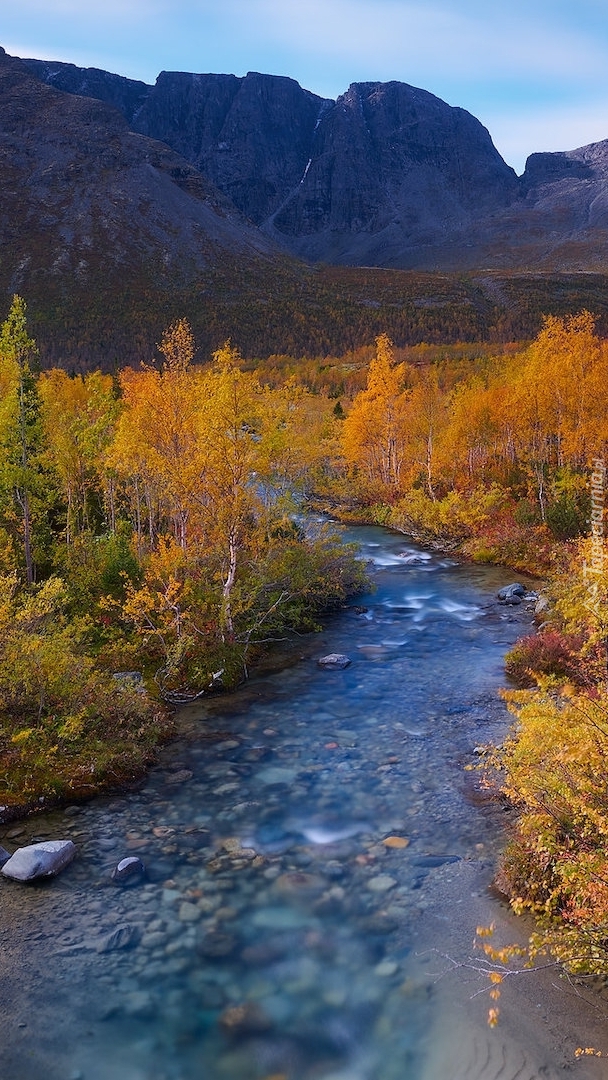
(427, 423)
(558, 400)
(19, 426)
(374, 435)
(156, 449)
(78, 416)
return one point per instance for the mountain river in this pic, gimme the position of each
(318, 858)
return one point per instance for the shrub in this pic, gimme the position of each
(547, 653)
(65, 726)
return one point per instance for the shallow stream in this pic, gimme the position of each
(317, 860)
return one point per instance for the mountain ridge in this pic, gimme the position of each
(277, 217)
(385, 175)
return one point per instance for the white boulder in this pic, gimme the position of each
(39, 860)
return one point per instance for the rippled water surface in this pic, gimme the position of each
(315, 854)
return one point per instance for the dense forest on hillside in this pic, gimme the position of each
(152, 526)
(288, 309)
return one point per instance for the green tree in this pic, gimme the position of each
(19, 423)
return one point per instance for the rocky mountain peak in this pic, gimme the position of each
(387, 174)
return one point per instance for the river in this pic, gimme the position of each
(318, 857)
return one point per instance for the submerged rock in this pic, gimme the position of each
(128, 872)
(298, 883)
(215, 945)
(246, 1019)
(39, 860)
(381, 883)
(334, 661)
(122, 937)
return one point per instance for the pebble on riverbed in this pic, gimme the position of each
(246, 1019)
(130, 871)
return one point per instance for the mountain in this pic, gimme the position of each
(379, 177)
(387, 175)
(92, 209)
(235, 201)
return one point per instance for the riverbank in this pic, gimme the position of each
(51, 781)
(544, 1015)
(293, 839)
(450, 529)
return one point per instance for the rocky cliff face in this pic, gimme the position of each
(387, 175)
(373, 177)
(252, 137)
(392, 170)
(83, 193)
(128, 95)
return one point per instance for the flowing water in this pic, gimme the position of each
(317, 860)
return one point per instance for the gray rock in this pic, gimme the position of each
(508, 591)
(140, 1005)
(4, 856)
(381, 883)
(39, 860)
(135, 677)
(541, 605)
(334, 661)
(130, 871)
(246, 1019)
(216, 945)
(122, 937)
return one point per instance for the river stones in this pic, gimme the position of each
(513, 594)
(298, 884)
(42, 860)
(381, 883)
(180, 777)
(386, 968)
(216, 945)
(246, 1019)
(378, 923)
(122, 937)
(4, 856)
(211, 996)
(334, 662)
(130, 871)
(430, 861)
(264, 953)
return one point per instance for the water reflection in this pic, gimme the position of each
(294, 840)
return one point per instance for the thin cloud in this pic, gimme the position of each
(533, 71)
(430, 37)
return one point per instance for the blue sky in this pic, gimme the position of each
(535, 72)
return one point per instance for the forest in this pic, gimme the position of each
(162, 527)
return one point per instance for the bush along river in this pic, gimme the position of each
(316, 861)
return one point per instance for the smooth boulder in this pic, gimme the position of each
(39, 860)
(334, 661)
(128, 872)
(509, 591)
